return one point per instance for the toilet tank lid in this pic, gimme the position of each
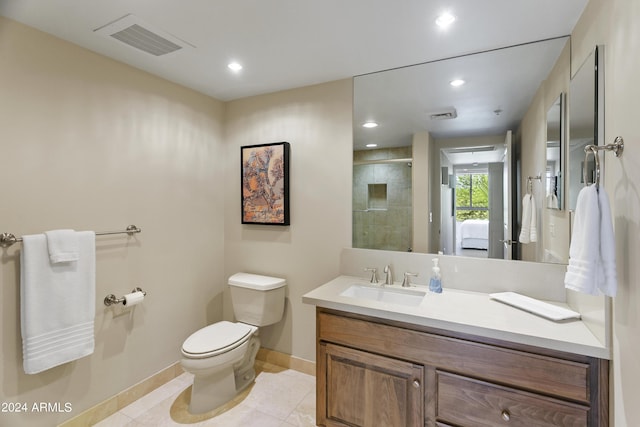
(256, 281)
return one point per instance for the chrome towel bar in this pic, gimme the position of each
(8, 239)
(617, 147)
(530, 182)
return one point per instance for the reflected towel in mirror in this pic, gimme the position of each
(529, 230)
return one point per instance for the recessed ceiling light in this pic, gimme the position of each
(457, 82)
(371, 145)
(234, 66)
(445, 20)
(370, 125)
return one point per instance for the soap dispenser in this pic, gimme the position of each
(435, 284)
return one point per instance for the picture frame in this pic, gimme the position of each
(264, 174)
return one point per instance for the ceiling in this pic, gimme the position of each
(284, 44)
(500, 86)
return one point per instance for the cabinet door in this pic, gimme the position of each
(364, 389)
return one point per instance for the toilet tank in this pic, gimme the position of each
(257, 300)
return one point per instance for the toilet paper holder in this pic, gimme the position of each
(112, 299)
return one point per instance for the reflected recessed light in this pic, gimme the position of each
(371, 145)
(234, 66)
(370, 125)
(457, 82)
(445, 20)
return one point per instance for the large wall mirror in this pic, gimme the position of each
(436, 151)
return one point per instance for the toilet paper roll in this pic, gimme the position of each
(133, 298)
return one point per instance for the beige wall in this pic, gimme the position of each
(614, 23)
(316, 121)
(89, 143)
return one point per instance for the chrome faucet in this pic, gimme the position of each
(388, 280)
(407, 279)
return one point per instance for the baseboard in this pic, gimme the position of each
(112, 405)
(287, 361)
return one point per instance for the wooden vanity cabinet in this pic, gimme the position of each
(376, 372)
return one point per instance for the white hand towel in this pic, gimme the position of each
(57, 304)
(584, 269)
(533, 226)
(62, 245)
(525, 231)
(609, 284)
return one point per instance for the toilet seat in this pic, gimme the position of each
(216, 339)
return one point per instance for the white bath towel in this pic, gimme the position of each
(57, 304)
(584, 251)
(529, 230)
(591, 268)
(609, 285)
(62, 245)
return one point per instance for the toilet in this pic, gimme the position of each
(221, 356)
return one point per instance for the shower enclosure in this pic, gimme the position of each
(382, 211)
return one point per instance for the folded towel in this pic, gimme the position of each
(62, 245)
(529, 230)
(57, 304)
(592, 267)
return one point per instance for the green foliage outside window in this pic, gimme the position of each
(472, 196)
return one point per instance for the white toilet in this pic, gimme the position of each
(221, 356)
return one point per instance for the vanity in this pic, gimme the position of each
(454, 359)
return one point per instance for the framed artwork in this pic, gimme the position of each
(265, 183)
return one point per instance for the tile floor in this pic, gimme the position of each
(279, 397)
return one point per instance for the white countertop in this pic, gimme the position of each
(467, 312)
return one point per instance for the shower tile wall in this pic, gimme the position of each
(378, 225)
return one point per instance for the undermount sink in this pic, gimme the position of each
(409, 297)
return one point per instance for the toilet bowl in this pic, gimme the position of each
(221, 356)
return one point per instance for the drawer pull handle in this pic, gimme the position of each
(505, 415)
(416, 384)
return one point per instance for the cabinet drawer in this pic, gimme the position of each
(467, 402)
(533, 372)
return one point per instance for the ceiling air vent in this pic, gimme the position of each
(135, 33)
(476, 149)
(444, 115)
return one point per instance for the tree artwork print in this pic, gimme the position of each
(265, 184)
